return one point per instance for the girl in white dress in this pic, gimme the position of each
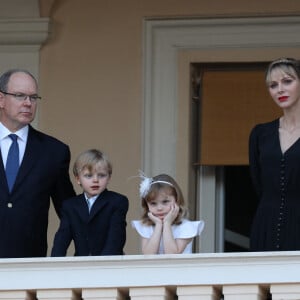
(164, 227)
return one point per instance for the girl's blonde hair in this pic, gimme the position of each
(169, 185)
(289, 66)
(89, 159)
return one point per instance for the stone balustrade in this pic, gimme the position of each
(214, 276)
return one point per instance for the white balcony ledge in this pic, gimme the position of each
(193, 276)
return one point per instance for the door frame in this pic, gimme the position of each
(214, 40)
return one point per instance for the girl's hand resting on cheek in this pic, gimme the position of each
(154, 219)
(172, 214)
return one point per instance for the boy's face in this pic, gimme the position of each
(93, 182)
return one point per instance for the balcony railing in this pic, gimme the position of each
(229, 276)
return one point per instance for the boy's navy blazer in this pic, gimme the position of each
(43, 173)
(100, 232)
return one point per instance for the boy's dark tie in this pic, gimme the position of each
(12, 163)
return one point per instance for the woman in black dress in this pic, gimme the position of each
(274, 156)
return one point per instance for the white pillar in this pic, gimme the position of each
(244, 292)
(17, 295)
(60, 294)
(151, 293)
(103, 294)
(205, 292)
(285, 291)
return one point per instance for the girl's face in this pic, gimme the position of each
(93, 182)
(162, 204)
(284, 88)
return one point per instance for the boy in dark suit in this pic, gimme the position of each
(96, 219)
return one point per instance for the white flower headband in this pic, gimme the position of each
(147, 182)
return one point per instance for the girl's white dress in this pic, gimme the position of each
(186, 230)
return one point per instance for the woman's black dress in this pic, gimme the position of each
(276, 179)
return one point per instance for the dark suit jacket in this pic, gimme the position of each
(44, 172)
(100, 232)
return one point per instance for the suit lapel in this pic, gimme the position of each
(3, 182)
(81, 207)
(100, 202)
(32, 154)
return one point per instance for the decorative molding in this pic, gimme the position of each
(23, 34)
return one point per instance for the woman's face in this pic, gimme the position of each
(284, 88)
(162, 204)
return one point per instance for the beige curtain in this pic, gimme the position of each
(232, 102)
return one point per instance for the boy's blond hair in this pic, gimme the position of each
(89, 159)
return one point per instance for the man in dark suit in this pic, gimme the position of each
(43, 170)
(96, 219)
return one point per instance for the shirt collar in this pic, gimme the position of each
(91, 198)
(21, 133)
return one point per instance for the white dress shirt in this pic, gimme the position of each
(5, 141)
(90, 201)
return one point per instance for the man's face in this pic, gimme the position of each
(16, 113)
